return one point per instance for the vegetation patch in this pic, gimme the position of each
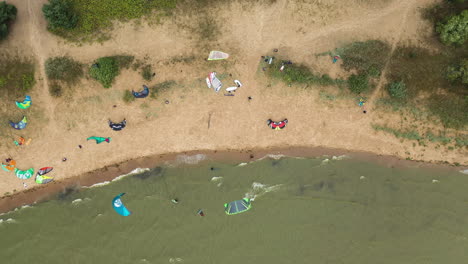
(294, 73)
(55, 90)
(161, 87)
(406, 134)
(128, 97)
(16, 76)
(358, 83)
(59, 15)
(366, 57)
(147, 72)
(454, 30)
(7, 16)
(63, 69)
(94, 18)
(105, 69)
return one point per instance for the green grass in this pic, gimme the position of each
(147, 72)
(368, 57)
(105, 69)
(16, 76)
(55, 90)
(407, 134)
(95, 17)
(63, 69)
(458, 141)
(300, 74)
(128, 97)
(161, 87)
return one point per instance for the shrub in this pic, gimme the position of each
(397, 89)
(59, 14)
(459, 72)
(128, 97)
(367, 57)
(64, 69)
(3, 81)
(455, 30)
(105, 70)
(358, 83)
(55, 90)
(147, 73)
(7, 15)
(27, 81)
(123, 61)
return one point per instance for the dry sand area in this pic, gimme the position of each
(197, 118)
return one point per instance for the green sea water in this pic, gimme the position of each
(304, 211)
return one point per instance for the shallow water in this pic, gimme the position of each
(304, 211)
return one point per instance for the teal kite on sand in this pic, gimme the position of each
(100, 139)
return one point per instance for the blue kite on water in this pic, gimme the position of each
(119, 207)
(141, 94)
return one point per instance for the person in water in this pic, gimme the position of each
(175, 200)
(200, 212)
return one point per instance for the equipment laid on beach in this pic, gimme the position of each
(141, 94)
(25, 104)
(117, 126)
(40, 176)
(208, 83)
(99, 140)
(215, 82)
(217, 55)
(231, 89)
(10, 167)
(24, 175)
(238, 83)
(277, 125)
(237, 207)
(119, 207)
(20, 125)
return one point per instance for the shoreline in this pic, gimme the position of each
(49, 191)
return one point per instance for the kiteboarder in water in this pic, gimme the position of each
(200, 212)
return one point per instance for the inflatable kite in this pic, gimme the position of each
(119, 207)
(118, 126)
(24, 175)
(10, 167)
(277, 125)
(99, 140)
(25, 104)
(217, 55)
(237, 207)
(141, 94)
(40, 176)
(20, 125)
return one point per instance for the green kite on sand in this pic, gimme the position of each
(100, 139)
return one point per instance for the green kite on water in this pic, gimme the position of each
(100, 139)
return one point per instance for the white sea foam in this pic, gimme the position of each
(242, 164)
(133, 172)
(76, 201)
(464, 171)
(216, 178)
(259, 189)
(342, 157)
(9, 220)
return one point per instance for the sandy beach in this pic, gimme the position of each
(196, 119)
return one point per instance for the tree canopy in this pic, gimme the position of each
(60, 15)
(455, 30)
(7, 14)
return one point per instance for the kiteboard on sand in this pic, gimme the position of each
(231, 89)
(208, 82)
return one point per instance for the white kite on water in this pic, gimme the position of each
(217, 55)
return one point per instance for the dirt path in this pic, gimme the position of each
(35, 29)
(407, 6)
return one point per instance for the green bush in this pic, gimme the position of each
(60, 15)
(366, 57)
(55, 90)
(3, 81)
(459, 72)
(455, 30)
(28, 81)
(64, 69)
(105, 70)
(128, 97)
(397, 89)
(7, 15)
(358, 83)
(147, 73)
